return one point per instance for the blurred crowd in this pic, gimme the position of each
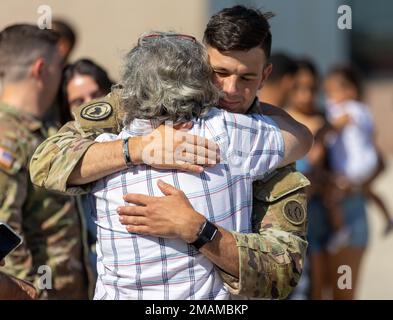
(342, 164)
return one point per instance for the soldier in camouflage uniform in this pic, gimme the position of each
(271, 258)
(47, 221)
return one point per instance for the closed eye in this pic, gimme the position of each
(221, 73)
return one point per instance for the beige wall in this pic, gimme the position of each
(108, 29)
(379, 96)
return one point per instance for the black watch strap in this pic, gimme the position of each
(206, 234)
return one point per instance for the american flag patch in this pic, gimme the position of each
(6, 158)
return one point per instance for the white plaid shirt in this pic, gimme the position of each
(132, 266)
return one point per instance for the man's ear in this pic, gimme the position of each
(267, 70)
(37, 68)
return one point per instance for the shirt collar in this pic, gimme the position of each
(255, 106)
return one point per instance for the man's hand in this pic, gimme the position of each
(12, 288)
(164, 148)
(15, 288)
(171, 216)
(339, 123)
(28, 288)
(171, 148)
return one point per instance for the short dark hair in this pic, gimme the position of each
(65, 30)
(239, 28)
(283, 65)
(20, 45)
(85, 67)
(349, 76)
(308, 65)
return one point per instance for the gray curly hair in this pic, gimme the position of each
(167, 76)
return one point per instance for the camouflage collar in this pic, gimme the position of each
(255, 107)
(29, 121)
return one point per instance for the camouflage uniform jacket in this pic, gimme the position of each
(271, 259)
(48, 222)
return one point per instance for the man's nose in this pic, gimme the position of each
(230, 85)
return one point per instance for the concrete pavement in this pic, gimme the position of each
(376, 278)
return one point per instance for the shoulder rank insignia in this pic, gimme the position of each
(294, 212)
(96, 111)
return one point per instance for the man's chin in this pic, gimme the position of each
(231, 107)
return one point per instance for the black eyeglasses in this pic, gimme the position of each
(174, 35)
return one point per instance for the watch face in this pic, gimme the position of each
(207, 234)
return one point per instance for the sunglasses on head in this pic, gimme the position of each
(170, 35)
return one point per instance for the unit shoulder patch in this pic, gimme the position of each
(97, 111)
(294, 212)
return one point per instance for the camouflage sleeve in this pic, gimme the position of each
(14, 154)
(55, 159)
(271, 261)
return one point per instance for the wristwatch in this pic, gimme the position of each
(206, 234)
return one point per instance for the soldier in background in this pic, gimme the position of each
(30, 67)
